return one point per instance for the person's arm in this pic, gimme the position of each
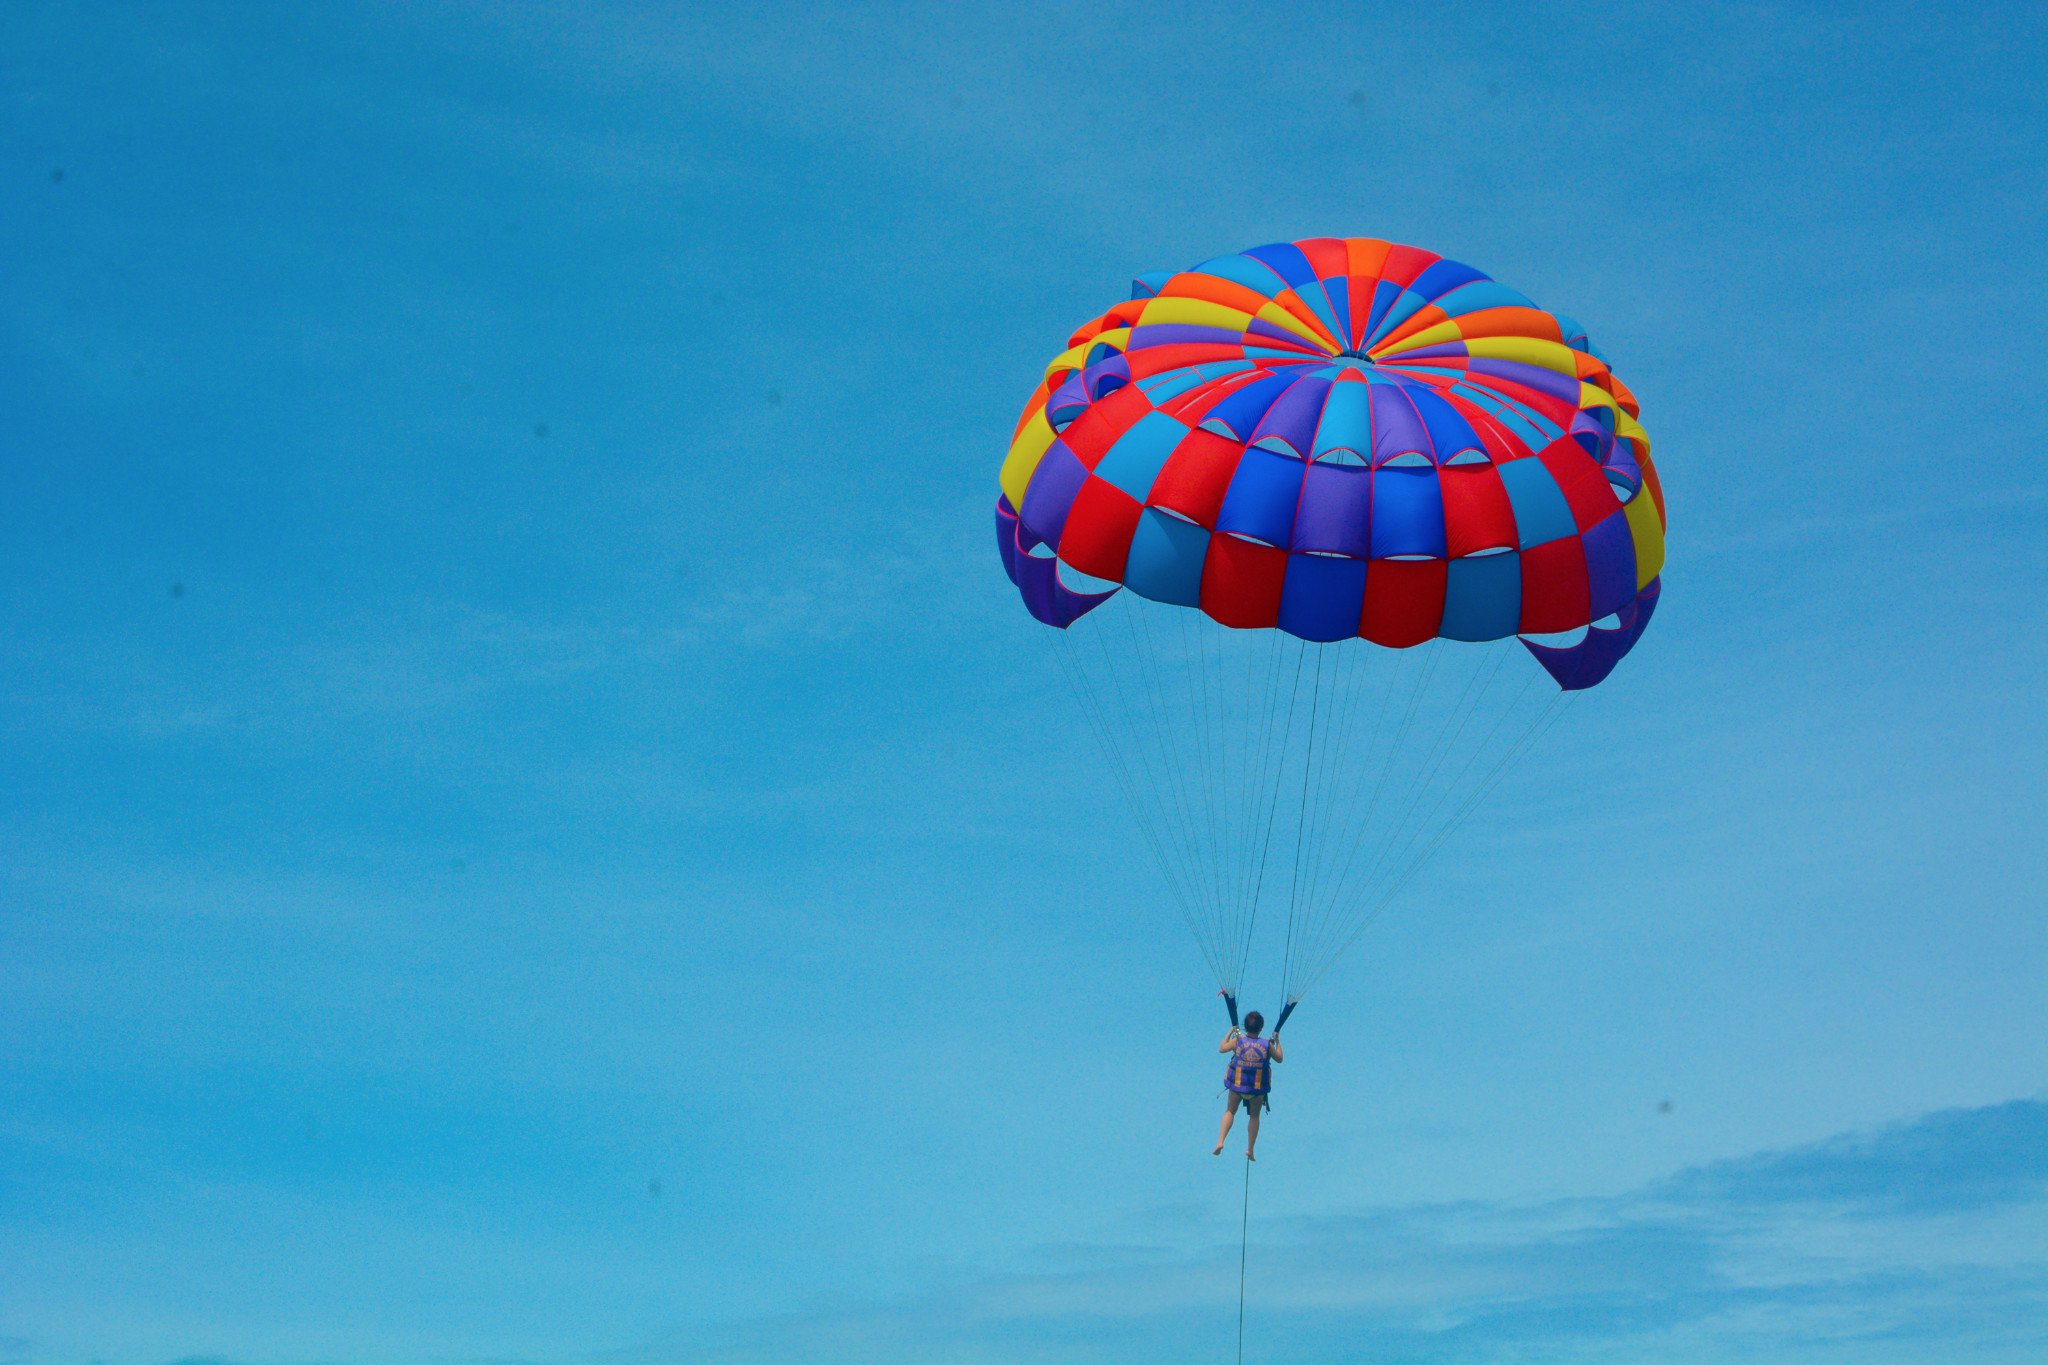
(1229, 1042)
(1275, 1050)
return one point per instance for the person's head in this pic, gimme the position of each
(1253, 1022)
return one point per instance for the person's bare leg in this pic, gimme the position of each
(1251, 1134)
(1229, 1117)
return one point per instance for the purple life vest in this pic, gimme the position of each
(1249, 1072)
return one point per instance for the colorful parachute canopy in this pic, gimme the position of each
(1323, 442)
(1341, 439)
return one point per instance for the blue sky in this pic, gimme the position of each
(535, 829)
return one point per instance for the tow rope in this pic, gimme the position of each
(1243, 1244)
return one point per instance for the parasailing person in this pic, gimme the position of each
(1249, 1078)
(1307, 498)
(1288, 513)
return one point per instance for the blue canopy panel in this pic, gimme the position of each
(1264, 495)
(1482, 597)
(1322, 596)
(1166, 559)
(1286, 260)
(1148, 285)
(1292, 419)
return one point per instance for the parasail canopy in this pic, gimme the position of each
(1313, 443)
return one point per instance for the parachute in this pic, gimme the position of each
(1331, 484)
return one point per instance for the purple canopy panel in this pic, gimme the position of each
(1106, 376)
(1038, 580)
(1335, 514)
(1294, 416)
(1446, 351)
(1563, 387)
(1183, 334)
(1622, 467)
(1587, 663)
(1067, 402)
(1592, 435)
(1050, 494)
(1259, 327)
(1396, 427)
(1006, 535)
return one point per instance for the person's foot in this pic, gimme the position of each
(1218, 1151)
(1249, 1157)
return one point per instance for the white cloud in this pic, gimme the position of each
(1924, 1239)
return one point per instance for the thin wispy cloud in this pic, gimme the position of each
(1879, 1244)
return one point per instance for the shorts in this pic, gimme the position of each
(1252, 1103)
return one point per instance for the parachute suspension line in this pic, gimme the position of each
(1258, 809)
(1338, 725)
(1176, 737)
(1230, 827)
(1253, 698)
(1152, 816)
(1531, 736)
(1337, 748)
(1212, 759)
(1216, 764)
(1346, 904)
(1346, 909)
(1402, 843)
(1552, 712)
(1403, 795)
(1279, 771)
(1171, 783)
(1244, 1241)
(1259, 711)
(1198, 729)
(1328, 725)
(1193, 689)
(1257, 703)
(1120, 768)
(1451, 787)
(1205, 762)
(1407, 869)
(1308, 769)
(1151, 702)
(1353, 662)
(1440, 747)
(1418, 686)
(1230, 810)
